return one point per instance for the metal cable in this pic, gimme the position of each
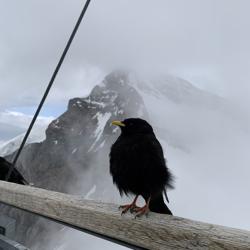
(48, 89)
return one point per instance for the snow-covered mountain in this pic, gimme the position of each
(10, 146)
(197, 129)
(13, 126)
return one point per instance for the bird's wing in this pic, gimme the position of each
(155, 155)
(150, 144)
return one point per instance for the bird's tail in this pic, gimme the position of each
(166, 195)
(158, 205)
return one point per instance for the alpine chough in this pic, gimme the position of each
(15, 176)
(138, 167)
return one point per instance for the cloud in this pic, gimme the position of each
(22, 120)
(15, 123)
(184, 37)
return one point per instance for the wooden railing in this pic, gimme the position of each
(104, 220)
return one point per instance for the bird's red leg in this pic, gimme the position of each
(130, 207)
(143, 210)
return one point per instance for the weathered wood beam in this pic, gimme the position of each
(155, 232)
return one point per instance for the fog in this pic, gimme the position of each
(205, 42)
(213, 169)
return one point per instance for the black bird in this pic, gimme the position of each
(15, 176)
(137, 166)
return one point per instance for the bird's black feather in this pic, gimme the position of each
(15, 176)
(137, 164)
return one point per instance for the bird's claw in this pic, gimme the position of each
(130, 207)
(133, 209)
(142, 211)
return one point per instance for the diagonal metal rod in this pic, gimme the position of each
(48, 88)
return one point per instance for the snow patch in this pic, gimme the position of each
(74, 150)
(100, 146)
(101, 104)
(101, 122)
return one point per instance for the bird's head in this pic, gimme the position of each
(134, 126)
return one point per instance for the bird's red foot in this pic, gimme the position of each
(132, 207)
(141, 211)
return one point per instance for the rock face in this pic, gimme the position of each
(76, 147)
(74, 140)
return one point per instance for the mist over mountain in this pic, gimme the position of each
(200, 132)
(8, 130)
(14, 124)
(9, 146)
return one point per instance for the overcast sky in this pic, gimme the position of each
(206, 42)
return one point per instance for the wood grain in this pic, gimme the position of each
(154, 232)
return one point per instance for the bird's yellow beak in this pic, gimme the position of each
(118, 123)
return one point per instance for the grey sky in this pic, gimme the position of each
(206, 42)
